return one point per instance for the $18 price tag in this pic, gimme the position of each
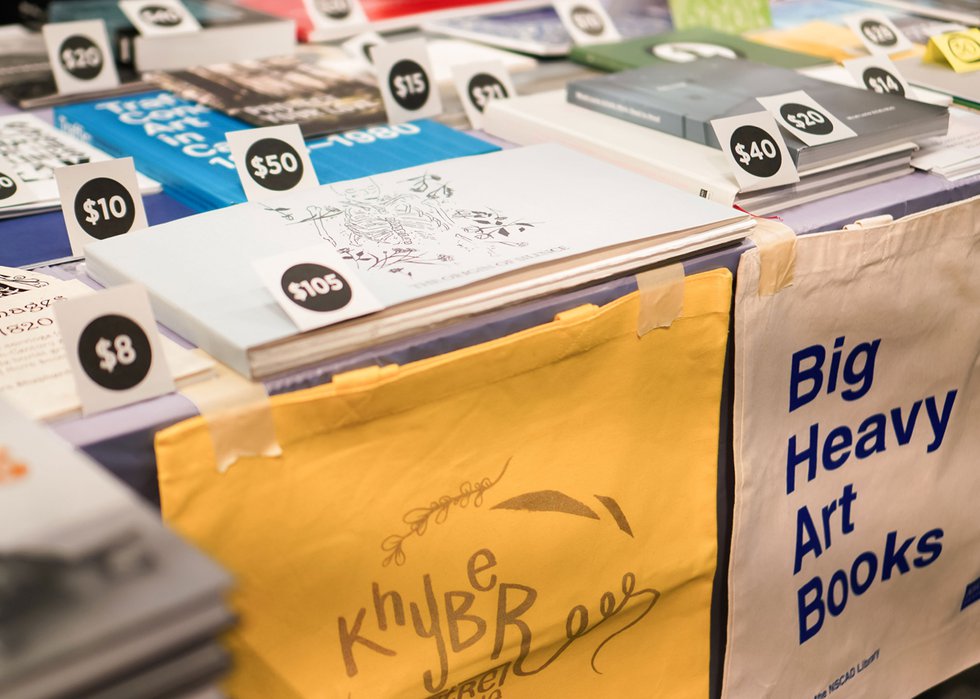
(316, 287)
(805, 118)
(80, 57)
(755, 150)
(100, 200)
(586, 21)
(479, 83)
(878, 33)
(406, 80)
(113, 348)
(271, 160)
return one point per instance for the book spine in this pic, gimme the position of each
(587, 57)
(623, 105)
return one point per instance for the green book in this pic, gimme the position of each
(730, 15)
(685, 46)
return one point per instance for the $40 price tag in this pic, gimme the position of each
(406, 80)
(478, 83)
(316, 287)
(271, 160)
(755, 150)
(100, 200)
(81, 60)
(113, 348)
(159, 17)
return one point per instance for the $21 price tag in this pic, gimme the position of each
(271, 160)
(478, 83)
(405, 78)
(113, 348)
(878, 74)
(315, 286)
(80, 57)
(100, 200)
(755, 150)
(805, 118)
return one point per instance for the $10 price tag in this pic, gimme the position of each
(315, 287)
(100, 200)
(805, 118)
(755, 150)
(113, 348)
(478, 83)
(878, 74)
(80, 57)
(271, 160)
(406, 80)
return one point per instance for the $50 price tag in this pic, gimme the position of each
(755, 150)
(113, 348)
(478, 83)
(805, 118)
(406, 80)
(271, 160)
(100, 200)
(316, 287)
(80, 57)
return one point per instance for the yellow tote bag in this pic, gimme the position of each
(529, 517)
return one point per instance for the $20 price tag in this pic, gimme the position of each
(113, 348)
(805, 118)
(316, 287)
(271, 160)
(478, 83)
(80, 57)
(406, 80)
(755, 150)
(100, 200)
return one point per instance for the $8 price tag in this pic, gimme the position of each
(756, 150)
(405, 78)
(271, 160)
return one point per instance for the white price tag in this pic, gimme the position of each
(159, 17)
(755, 150)
(13, 190)
(478, 83)
(878, 33)
(878, 74)
(336, 14)
(362, 46)
(587, 21)
(315, 287)
(100, 200)
(113, 348)
(80, 57)
(406, 80)
(271, 160)
(805, 118)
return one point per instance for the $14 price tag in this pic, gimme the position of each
(805, 118)
(405, 78)
(80, 57)
(100, 200)
(478, 84)
(316, 287)
(755, 150)
(159, 17)
(878, 74)
(878, 34)
(271, 160)
(113, 348)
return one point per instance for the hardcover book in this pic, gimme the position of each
(430, 244)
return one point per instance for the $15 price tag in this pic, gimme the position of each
(80, 57)
(878, 74)
(159, 17)
(805, 118)
(113, 348)
(271, 160)
(100, 200)
(478, 83)
(406, 80)
(755, 150)
(315, 287)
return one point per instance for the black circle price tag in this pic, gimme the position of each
(160, 16)
(878, 33)
(587, 20)
(964, 47)
(8, 186)
(882, 82)
(316, 287)
(484, 87)
(104, 208)
(81, 57)
(755, 150)
(115, 352)
(806, 119)
(334, 9)
(274, 164)
(409, 84)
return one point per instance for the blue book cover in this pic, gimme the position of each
(182, 145)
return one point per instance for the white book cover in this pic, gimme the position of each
(405, 235)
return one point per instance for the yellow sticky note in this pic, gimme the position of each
(960, 50)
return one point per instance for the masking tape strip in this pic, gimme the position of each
(870, 222)
(661, 297)
(777, 255)
(238, 416)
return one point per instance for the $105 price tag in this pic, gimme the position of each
(478, 83)
(271, 160)
(406, 80)
(100, 200)
(113, 348)
(755, 150)
(315, 287)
